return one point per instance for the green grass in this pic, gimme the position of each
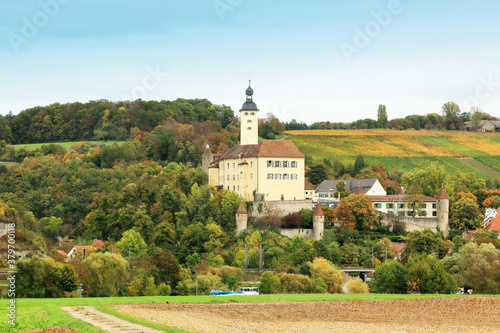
(65, 145)
(42, 313)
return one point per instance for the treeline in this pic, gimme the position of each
(451, 118)
(105, 120)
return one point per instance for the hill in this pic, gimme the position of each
(405, 150)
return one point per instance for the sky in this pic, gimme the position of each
(310, 60)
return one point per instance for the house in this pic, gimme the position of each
(484, 125)
(310, 192)
(325, 191)
(84, 250)
(270, 170)
(492, 221)
(398, 205)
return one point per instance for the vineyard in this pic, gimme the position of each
(405, 150)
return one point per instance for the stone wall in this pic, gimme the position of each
(279, 208)
(410, 223)
(307, 234)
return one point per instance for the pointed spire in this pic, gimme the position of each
(359, 190)
(241, 208)
(318, 211)
(442, 194)
(207, 150)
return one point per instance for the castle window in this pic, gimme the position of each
(277, 176)
(293, 164)
(401, 205)
(285, 164)
(228, 165)
(228, 188)
(251, 164)
(251, 176)
(238, 187)
(434, 213)
(234, 188)
(277, 164)
(389, 206)
(294, 176)
(286, 176)
(234, 165)
(249, 120)
(234, 177)
(246, 113)
(434, 205)
(249, 128)
(269, 164)
(269, 176)
(253, 113)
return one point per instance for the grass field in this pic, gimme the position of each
(405, 150)
(42, 313)
(65, 145)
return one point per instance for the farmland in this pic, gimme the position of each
(299, 313)
(405, 150)
(65, 145)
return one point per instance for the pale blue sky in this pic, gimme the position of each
(297, 52)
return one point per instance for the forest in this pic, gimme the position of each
(162, 226)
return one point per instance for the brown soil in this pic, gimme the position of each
(458, 314)
(57, 329)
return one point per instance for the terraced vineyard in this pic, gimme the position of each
(405, 150)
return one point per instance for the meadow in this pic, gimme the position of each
(34, 314)
(65, 145)
(405, 150)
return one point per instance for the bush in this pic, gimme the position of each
(299, 284)
(269, 283)
(390, 278)
(165, 289)
(357, 286)
(293, 220)
(329, 273)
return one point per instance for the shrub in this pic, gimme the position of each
(357, 286)
(293, 220)
(269, 283)
(299, 284)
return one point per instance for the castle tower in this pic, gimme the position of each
(249, 120)
(241, 218)
(206, 159)
(318, 222)
(442, 210)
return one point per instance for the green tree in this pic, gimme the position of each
(316, 174)
(269, 283)
(425, 274)
(133, 241)
(424, 242)
(465, 213)
(390, 278)
(329, 273)
(108, 274)
(382, 119)
(341, 192)
(359, 164)
(429, 179)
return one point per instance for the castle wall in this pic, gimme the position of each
(279, 208)
(411, 223)
(307, 234)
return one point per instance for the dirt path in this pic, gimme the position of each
(480, 166)
(459, 314)
(105, 321)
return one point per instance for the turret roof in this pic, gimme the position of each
(241, 209)
(442, 194)
(318, 211)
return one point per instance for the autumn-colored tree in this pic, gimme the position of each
(107, 273)
(341, 192)
(356, 212)
(329, 273)
(131, 241)
(424, 242)
(357, 286)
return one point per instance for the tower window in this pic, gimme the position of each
(246, 113)
(253, 113)
(269, 164)
(285, 164)
(249, 120)
(251, 164)
(277, 164)
(228, 165)
(251, 176)
(294, 176)
(293, 164)
(269, 176)
(227, 177)
(234, 165)
(286, 176)
(249, 128)
(277, 176)
(234, 177)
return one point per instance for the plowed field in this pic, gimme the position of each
(458, 314)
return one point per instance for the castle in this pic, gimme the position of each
(270, 173)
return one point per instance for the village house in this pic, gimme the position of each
(326, 189)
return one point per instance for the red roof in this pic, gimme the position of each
(442, 194)
(266, 148)
(318, 211)
(398, 198)
(207, 151)
(397, 248)
(241, 209)
(494, 223)
(62, 252)
(359, 190)
(98, 243)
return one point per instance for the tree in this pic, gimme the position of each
(382, 119)
(341, 192)
(424, 242)
(357, 286)
(450, 110)
(356, 212)
(429, 179)
(269, 283)
(307, 217)
(329, 273)
(133, 241)
(316, 174)
(465, 213)
(108, 274)
(359, 164)
(390, 278)
(425, 274)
